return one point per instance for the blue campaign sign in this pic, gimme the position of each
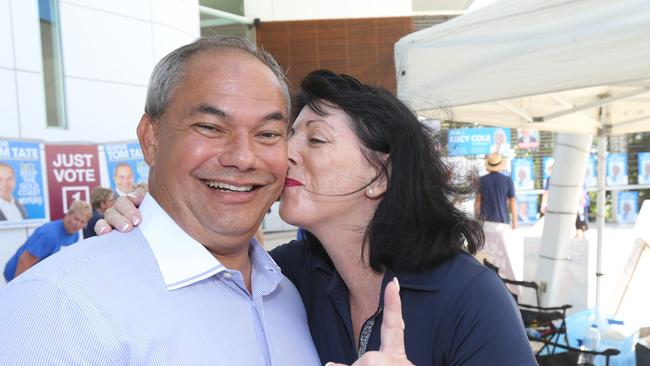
(478, 141)
(644, 168)
(527, 208)
(628, 206)
(126, 166)
(22, 184)
(591, 179)
(523, 174)
(547, 169)
(617, 169)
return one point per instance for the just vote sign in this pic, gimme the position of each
(72, 173)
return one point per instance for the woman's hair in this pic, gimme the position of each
(416, 225)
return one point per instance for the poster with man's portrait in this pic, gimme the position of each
(547, 170)
(628, 207)
(617, 169)
(126, 167)
(527, 208)
(522, 174)
(644, 167)
(591, 179)
(527, 139)
(22, 184)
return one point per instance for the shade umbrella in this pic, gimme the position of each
(570, 66)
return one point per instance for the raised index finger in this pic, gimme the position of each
(392, 326)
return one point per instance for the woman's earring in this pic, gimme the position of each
(370, 192)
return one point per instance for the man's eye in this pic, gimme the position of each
(314, 140)
(270, 134)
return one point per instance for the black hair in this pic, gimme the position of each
(416, 225)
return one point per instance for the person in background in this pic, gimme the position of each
(10, 208)
(496, 195)
(371, 211)
(124, 179)
(49, 239)
(101, 199)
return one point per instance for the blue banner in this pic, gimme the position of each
(628, 206)
(617, 169)
(126, 167)
(644, 168)
(591, 179)
(522, 174)
(527, 208)
(478, 141)
(22, 184)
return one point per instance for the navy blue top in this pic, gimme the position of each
(459, 313)
(89, 230)
(495, 189)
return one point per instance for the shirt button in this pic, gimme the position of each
(227, 275)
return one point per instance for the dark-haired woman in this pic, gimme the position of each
(367, 183)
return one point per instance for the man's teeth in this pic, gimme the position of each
(228, 187)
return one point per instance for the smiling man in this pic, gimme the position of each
(189, 286)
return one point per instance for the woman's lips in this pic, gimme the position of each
(289, 182)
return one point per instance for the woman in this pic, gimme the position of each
(367, 182)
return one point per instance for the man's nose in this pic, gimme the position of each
(239, 153)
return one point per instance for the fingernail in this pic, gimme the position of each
(132, 194)
(124, 227)
(329, 364)
(396, 282)
(135, 220)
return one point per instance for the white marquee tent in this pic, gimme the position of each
(575, 66)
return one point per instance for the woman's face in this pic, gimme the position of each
(326, 164)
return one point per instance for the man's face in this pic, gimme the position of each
(521, 174)
(124, 178)
(647, 169)
(7, 182)
(218, 155)
(75, 221)
(616, 170)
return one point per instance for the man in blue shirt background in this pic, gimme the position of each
(48, 239)
(496, 194)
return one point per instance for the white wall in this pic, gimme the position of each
(109, 49)
(270, 10)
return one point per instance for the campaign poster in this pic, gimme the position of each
(522, 173)
(644, 168)
(547, 169)
(527, 139)
(72, 173)
(126, 167)
(22, 184)
(591, 177)
(527, 208)
(478, 141)
(617, 169)
(628, 207)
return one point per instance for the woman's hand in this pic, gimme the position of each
(124, 215)
(392, 351)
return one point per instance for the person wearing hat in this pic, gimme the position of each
(496, 194)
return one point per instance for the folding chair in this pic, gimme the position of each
(570, 355)
(544, 324)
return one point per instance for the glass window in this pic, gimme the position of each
(230, 22)
(52, 63)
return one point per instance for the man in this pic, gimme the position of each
(123, 178)
(49, 239)
(101, 200)
(10, 208)
(189, 286)
(496, 194)
(523, 181)
(644, 178)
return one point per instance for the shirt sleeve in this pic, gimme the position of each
(511, 189)
(488, 329)
(40, 245)
(41, 325)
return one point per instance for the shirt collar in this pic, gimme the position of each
(423, 281)
(182, 260)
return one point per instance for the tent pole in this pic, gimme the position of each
(600, 204)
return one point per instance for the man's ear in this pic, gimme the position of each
(148, 136)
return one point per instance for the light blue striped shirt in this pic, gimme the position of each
(154, 296)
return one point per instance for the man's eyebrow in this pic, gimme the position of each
(211, 110)
(275, 116)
